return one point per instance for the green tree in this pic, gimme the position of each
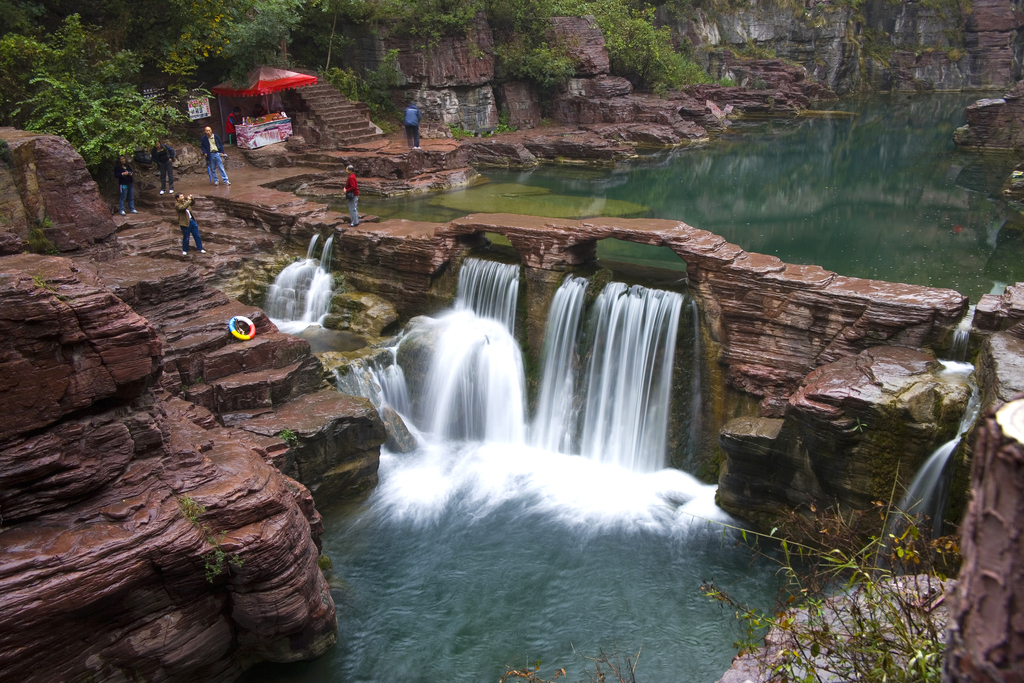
(77, 87)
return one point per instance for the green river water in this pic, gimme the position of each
(881, 194)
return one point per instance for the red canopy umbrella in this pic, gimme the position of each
(264, 81)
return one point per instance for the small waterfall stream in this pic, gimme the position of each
(554, 426)
(928, 491)
(962, 336)
(301, 293)
(489, 289)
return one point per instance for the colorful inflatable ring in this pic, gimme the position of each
(244, 336)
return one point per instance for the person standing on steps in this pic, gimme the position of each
(163, 155)
(352, 195)
(213, 148)
(187, 223)
(412, 125)
(126, 181)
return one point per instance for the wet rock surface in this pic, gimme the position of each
(852, 428)
(125, 508)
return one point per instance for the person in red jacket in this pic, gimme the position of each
(234, 119)
(352, 195)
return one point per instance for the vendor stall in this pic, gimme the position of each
(266, 130)
(257, 131)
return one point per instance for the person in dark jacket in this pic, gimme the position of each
(412, 125)
(125, 179)
(213, 148)
(352, 195)
(163, 155)
(187, 223)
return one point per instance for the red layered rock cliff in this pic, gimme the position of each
(137, 540)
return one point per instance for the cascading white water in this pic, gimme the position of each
(476, 387)
(633, 337)
(554, 426)
(301, 294)
(382, 383)
(927, 493)
(962, 337)
(489, 289)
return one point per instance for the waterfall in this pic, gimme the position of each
(554, 426)
(927, 493)
(302, 292)
(476, 386)
(311, 249)
(382, 383)
(489, 289)
(632, 338)
(962, 337)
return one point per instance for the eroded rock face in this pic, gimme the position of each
(583, 40)
(139, 535)
(994, 123)
(361, 313)
(519, 100)
(849, 429)
(49, 182)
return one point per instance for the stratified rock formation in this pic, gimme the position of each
(141, 540)
(48, 188)
(877, 46)
(852, 428)
(265, 386)
(994, 123)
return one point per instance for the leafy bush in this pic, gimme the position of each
(374, 88)
(852, 612)
(637, 48)
(77, 87)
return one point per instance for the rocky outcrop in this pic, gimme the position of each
(852, 428)
(49, 188)
(361, 313)
(236, 382)
(519, 101)
(582, 40)
(887, 46)
(451, 81)
(139, 536)
(994, 123)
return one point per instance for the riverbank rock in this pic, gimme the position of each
(994, 123)
(49, 189)
(361, 313)
(138, 535)
(852, 428)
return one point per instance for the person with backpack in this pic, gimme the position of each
(163, 155)
(412, 125)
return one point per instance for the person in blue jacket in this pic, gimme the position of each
(213, 148)
(412, 125)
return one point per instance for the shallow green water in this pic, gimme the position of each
(883, 194)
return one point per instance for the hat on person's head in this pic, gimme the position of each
(350, 168)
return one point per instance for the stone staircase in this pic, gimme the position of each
(332, 121)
